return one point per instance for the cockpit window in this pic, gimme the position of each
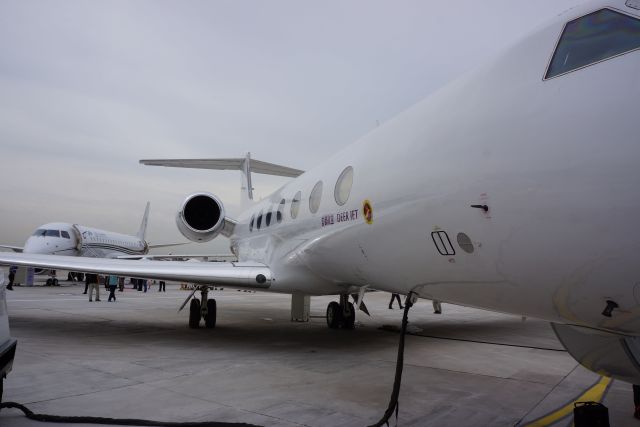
(53, 233)
(65, 234)
(40, 232)
(594, 38)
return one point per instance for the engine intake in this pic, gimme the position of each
(201, 217)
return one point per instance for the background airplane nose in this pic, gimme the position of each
(38, 246)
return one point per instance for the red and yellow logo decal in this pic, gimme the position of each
(367, 212)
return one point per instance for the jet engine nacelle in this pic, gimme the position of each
(201, 217)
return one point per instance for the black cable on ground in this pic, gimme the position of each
(114, 421)
(393, 402)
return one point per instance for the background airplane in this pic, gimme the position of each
(514, 189)
(61, 238)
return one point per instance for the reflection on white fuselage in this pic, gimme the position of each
(49, 245)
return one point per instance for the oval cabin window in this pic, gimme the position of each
(315, 197)
(343, 186)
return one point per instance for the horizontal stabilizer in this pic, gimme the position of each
(256, 166)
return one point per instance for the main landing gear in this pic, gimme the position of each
(341, 315)
(204, 308)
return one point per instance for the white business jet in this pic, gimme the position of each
(61, 238)
(515, 189)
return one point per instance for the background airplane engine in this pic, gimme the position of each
(201, 217)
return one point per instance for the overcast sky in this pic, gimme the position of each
(89, 88)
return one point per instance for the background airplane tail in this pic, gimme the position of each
(142, 232)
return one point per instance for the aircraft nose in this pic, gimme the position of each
(38, 245)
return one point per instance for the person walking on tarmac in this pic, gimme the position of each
(12, 277)
(395, 296)
(437, 307)
(162, 286)
(94, 284)
(113, 285)
(86, 282)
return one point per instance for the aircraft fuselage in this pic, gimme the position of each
(554, 160)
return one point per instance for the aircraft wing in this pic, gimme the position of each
(166, 245)
(13, 248)
(179, 257)
(236, 274)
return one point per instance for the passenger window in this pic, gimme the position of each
(315, 197)
(343, 186)
(259, 222)
(280, 212)
(268, 219)
(253, 218)
(295, 204)
(594, 38)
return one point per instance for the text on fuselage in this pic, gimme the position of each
(344, 216)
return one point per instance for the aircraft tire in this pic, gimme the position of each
(194, 314)
(210, 318)
(334, 315)
(49, 282)
(55, 282)
(350, 320)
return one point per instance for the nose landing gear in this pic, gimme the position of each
(341, 315)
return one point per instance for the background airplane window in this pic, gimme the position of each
(259, 222)
(253, 218)
(280, 213)
(295, 204)
(315, 197)
(343, 186)
(594, 38)
(65, 234)
(267, 220)
(53, 233)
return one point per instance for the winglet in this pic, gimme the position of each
(142, 232)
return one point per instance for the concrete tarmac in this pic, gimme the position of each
(136, 358)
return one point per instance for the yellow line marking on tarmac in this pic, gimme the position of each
(594, 393)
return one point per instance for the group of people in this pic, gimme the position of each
(112, 282)
(143, 284)
(437, 306)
